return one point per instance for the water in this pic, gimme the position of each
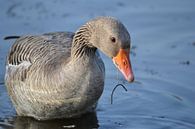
(163, 59)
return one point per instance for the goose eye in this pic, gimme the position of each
(113, 39)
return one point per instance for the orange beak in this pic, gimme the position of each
(122, 62)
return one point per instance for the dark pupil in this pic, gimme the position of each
(113, 39)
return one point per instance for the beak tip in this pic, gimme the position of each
(130, 79)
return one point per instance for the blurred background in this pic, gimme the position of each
(162, 56)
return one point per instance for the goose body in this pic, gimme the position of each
(60, 75)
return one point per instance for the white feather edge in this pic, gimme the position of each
(23, 65)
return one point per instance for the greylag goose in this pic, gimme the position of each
(61, 75)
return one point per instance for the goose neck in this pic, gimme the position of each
(81, 45)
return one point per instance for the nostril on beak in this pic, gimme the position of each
(124, 62)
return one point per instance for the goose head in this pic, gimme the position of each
(111, 37)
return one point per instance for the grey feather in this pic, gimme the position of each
(37, 77)
(61, 75)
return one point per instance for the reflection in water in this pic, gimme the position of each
(87, 121)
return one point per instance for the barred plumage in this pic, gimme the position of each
(57, 75)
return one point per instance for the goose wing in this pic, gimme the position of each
(43, 51)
